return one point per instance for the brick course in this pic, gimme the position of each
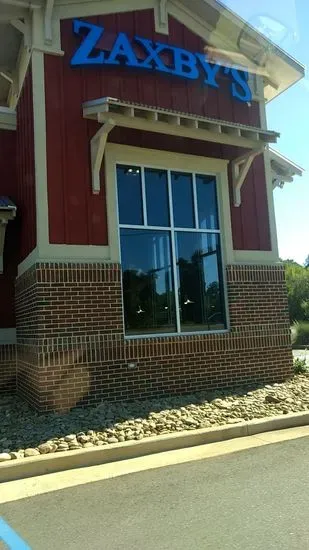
(71, 347)
(7, 368)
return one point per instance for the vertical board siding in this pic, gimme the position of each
(17, 181)
(8, 187)
(26, 170)
(75, 215)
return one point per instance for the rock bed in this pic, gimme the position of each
(24, 433)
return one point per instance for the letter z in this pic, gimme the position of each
(82, 55)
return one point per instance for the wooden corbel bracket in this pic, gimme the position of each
(97, 146)
(240, 168)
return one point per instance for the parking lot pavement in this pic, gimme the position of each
(253, 499)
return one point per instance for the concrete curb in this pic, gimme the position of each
(68, 460)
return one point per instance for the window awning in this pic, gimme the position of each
(283, 170)
(7, 213)
(7, 119)
(168, 121)
(111, 112)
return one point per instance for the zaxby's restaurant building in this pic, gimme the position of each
(138, 242)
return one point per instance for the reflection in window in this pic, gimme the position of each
(157, 197)
(148, 291)
(129, 195)
(182, 199)
(199, 285)
(171, 275)
(207, 202)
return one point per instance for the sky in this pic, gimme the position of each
(289, 115)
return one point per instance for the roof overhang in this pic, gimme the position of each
(283, 170)
(7, 119)
(111, 112)
(247, 47)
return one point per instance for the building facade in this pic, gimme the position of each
(139, 251)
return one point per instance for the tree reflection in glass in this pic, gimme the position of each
(148, 290)
(199, 282)
(170, 251)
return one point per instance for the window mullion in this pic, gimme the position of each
(144, 197)
(174, 256)
(195, 201)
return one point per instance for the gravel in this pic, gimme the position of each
(26, 433)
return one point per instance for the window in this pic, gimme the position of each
(170, 251)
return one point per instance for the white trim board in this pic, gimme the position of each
(66, 253)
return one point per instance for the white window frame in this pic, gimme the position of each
(162, 160)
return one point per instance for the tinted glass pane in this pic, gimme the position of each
(199, 281)
(157, 197)
(207, 202)
(148, 290)
(182, 200)
(129, 195)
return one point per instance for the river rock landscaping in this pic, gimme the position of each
(25, 433)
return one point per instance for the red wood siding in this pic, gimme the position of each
(8, 187)
(17, 180)
(250, 221)
(26, 170)
(75, 215)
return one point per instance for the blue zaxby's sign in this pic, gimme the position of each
(154, 56)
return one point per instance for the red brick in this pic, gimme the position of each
(71, 347)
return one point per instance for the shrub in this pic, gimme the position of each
(300, 333)
(297, 280)
(300, 366)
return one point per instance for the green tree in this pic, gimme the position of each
(307, 261)
(297, 279)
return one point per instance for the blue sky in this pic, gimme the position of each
(289, 115)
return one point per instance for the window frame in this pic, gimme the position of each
(170, 162)
(172, 229)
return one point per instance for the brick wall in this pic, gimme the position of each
(7, 368)
(71, 347)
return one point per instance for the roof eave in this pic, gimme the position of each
(240, 22)
(294, 71)
(283, 169)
